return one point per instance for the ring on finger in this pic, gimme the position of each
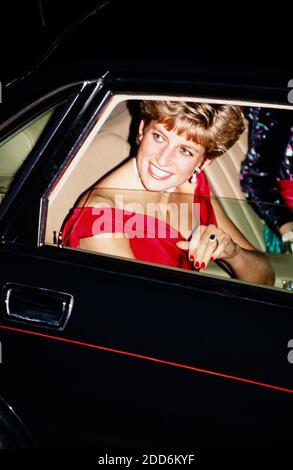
(213, 238)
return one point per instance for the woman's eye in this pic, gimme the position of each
(186, 152)
(158, 137)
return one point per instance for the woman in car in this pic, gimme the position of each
(177, 141)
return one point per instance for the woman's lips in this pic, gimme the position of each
(157, 173)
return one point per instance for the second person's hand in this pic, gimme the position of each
(207, 243)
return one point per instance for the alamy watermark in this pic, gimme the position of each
(0, 92)
(290, 353)
(0, 352)
(150, 220)
(290, 94)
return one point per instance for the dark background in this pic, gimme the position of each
(31, 26)
(237, 37)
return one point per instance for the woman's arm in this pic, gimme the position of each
(115, 244)
(231, 248)
(251, 266)
(245, 261)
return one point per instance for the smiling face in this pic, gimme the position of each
(166, 159)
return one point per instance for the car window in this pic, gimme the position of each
(15, 148)
(242, 214)
(112, 143)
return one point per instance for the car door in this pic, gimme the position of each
(99, 351)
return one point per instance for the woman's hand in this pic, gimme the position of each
(207, 243)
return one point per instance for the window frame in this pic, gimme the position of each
(72, 97)
(96, 101)
(95, 126)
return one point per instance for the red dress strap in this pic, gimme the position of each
(202, 196)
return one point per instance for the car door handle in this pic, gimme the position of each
(35, 305)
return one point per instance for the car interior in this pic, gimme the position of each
(109, 144)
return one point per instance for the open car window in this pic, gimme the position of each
(119, 213)
(112, 142)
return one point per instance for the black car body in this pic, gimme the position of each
(103, 352)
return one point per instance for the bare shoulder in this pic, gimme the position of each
(96, 198)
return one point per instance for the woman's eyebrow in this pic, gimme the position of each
(158, 129)
(191, 146)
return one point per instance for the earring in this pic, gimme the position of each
(193, 177)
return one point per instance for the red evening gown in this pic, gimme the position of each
(150, 239)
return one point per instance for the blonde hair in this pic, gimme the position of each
(215, 126)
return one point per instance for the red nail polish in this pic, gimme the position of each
(191, 257)
(203, 265)
(212, 259)
(196, 265)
